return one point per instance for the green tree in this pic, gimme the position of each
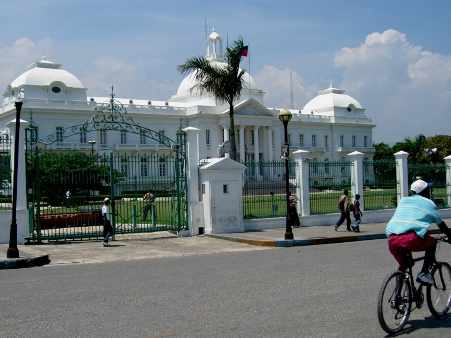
(383, 152)
(224, 82)
(60, 171)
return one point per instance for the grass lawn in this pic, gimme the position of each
(261, 206)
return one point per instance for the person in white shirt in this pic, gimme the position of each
(106, 217)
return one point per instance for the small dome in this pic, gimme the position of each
(214, 36)
(329, 99)
(190, 86)
(44, 73)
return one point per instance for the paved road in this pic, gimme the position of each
(318, 291)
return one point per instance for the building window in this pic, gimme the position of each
(161, 136)
(313, 140)
(252, 137)
(207, 136)
(326, 166)
(162, 167)
(144, 167)
(103, 136)
(289, 138)
(365, 141)
(342, 140)
(301, 140)
(123, 137)
(225, 188)
(83, 136)
(142, 137)
(59, 134)
(354, 142)
(326, 141)
(124, 167)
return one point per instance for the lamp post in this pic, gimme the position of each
(92, 142)
(285, 117)
(13, 251)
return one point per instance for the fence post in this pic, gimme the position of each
(402, 174)
(192, 178)
(21, 206)
(302, 181)
(448, 179)
(357, 176)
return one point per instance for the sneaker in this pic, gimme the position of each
(425, 278)
(105, 244)
(336, 228)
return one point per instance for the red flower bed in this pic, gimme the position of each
(70, 220)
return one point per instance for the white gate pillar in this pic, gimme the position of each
(402, 174)
(302, 181)
(192, 179)
(21, 206)
(448, 179)
(357, 176)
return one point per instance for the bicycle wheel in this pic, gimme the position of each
(439, 294)
(394, 302)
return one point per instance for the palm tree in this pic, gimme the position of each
(225, 83)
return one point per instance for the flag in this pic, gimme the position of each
(244, 51)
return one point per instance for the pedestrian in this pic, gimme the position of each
(106, 218)
(357, 213)
(344, 206)
(149, 205)
(293, 216)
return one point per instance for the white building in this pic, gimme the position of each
(331, 125)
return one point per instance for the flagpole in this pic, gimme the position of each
(249, 62)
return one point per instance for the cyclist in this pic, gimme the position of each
(407, 229)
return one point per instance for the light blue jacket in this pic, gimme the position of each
(414, 213)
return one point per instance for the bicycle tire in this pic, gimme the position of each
(406, 295)
(441, 274)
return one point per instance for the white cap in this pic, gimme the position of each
(106, 199)
(418, 186)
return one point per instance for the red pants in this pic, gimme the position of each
(402, 245)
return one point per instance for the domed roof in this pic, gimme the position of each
(190, 86)
(44, 73)
(331, 98)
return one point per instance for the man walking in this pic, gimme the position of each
(344, 206)
(106, 217)
(149, 200)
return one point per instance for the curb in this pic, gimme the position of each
(282, 243)
(20, 263)
(300, 242)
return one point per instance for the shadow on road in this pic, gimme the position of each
(426, 323)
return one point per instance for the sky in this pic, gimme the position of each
(394, 57)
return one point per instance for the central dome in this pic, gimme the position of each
(190, 85)
(330, 99)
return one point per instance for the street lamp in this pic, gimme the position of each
(285, 117)
(92, 142)
(13, 251)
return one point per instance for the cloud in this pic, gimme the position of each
(406, 89)
(276, 83)
(17, 56)
(129, 80)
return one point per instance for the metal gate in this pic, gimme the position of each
(67, 187)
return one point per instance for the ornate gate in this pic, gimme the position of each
(66, 187)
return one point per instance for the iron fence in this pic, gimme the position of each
(379, 184)
(328, 179)
(264, 188)
(434, 173)
(5, 172)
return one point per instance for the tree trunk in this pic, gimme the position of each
(232, 138)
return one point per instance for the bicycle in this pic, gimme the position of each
(398, 293)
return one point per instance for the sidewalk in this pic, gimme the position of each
(129, 248)
(313, 235)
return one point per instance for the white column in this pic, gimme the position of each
(256, 151)
(226, 134)
(270, 149)
(21, 206)
(448, 178)
(242, 150)
(195, 212)
(402, 174)
(302, 181)
(277, 142)
(357, 176)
